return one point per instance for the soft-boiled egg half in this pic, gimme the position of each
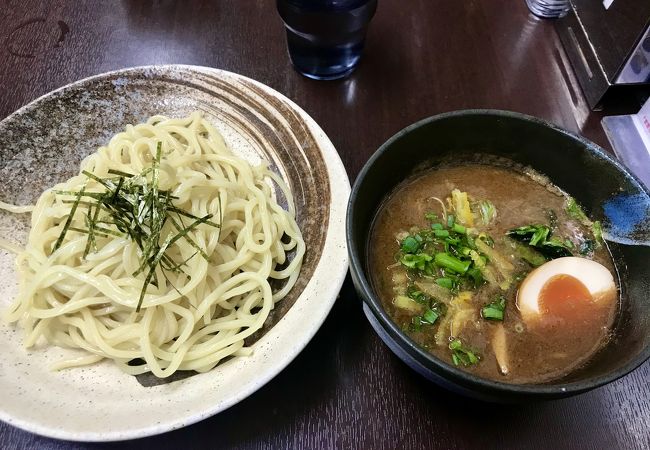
(562, 286)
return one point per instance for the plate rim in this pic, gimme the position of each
(340, 192)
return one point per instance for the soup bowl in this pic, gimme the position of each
(606, 190)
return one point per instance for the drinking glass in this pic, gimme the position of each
(325, 38)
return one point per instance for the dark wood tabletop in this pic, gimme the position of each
(423, 57)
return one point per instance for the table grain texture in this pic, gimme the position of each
(423, 57)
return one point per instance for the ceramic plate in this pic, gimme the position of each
(44, 142)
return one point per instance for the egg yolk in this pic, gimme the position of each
(564, 296)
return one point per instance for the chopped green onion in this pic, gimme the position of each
(430, 316)
(410, 245)
(458, 228)
(489, 313)
(494, 310)
(452, 241)
(431, 217)
(461, 355)
(450, 220)
(449, 262)
(416, 322)
(436, 226)
(445, 282)
(476, 275)
(415, 261)
(417, 295)
(441, 233)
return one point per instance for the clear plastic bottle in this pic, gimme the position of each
(549, 8)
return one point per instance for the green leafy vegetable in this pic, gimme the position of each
(574, 210)
(597, 230)
(494, 310)
(461, 355)
(539, 236)
(555, 248)
(529, 254)
(540, 233)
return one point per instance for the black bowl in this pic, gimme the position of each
(598, 182)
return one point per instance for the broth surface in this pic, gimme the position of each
(574, 327)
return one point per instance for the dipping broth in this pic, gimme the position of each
(496, 271)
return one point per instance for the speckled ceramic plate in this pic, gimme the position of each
(44, 142)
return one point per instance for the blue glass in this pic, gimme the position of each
(325, 37)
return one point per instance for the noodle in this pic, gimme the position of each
(189, 318)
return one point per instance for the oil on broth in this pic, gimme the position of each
(539, 351)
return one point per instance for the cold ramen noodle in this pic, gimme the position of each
(159, 254)
(495, 272)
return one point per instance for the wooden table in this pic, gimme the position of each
(346, 389)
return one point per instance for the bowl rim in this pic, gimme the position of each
(439, 366)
